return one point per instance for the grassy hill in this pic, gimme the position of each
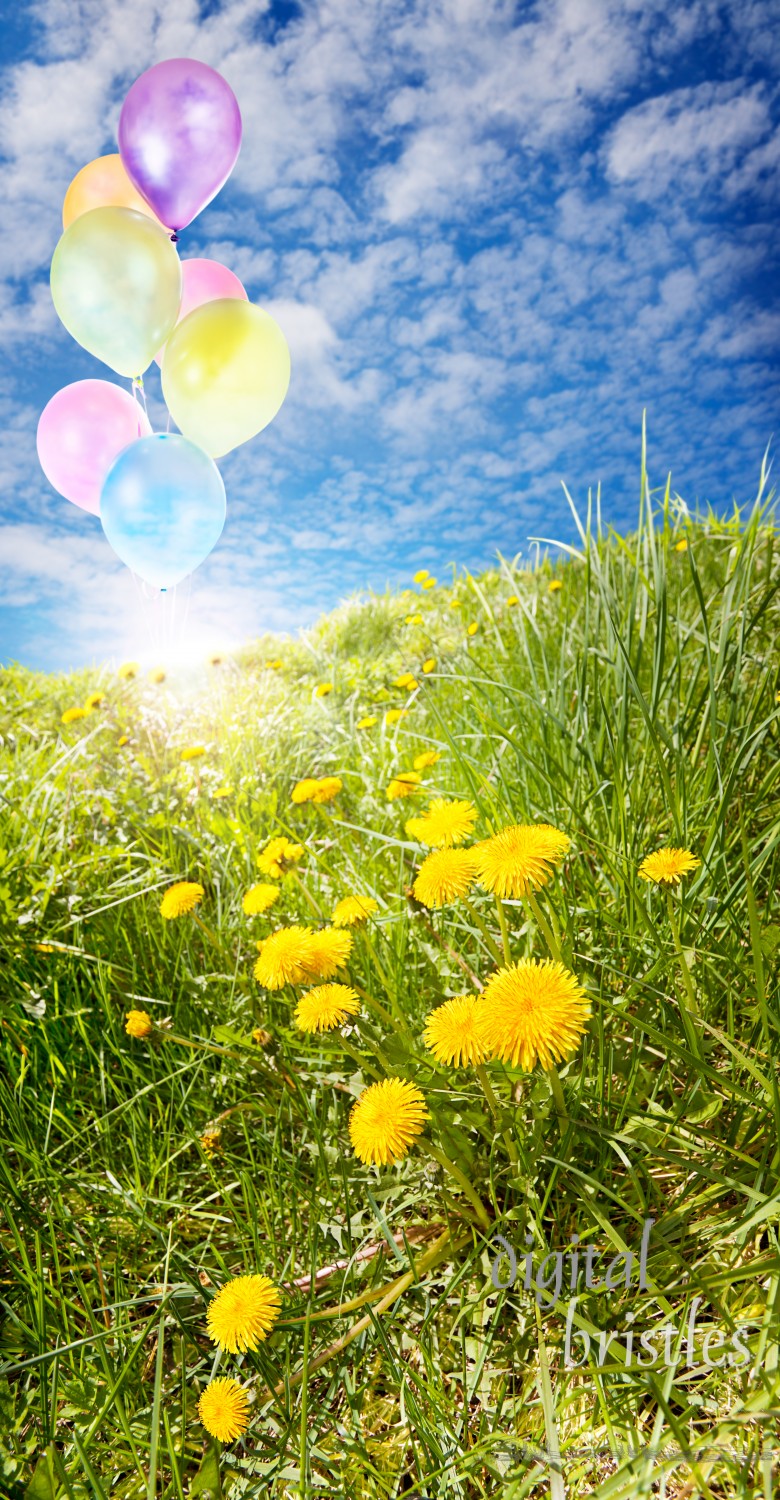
(626, 694)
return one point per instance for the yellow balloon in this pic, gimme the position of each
(225, 373)
(103, 183)
(116, 285)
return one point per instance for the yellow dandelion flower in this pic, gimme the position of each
(224, 1409)
(328, 787)
(445, 875)
(303, 791)
(681, 546)
(222, 791)
(157, 674)
(421, 575)
(443, 823)
(138, 1023)
(279, 856)
(128, 670)
(512, 601)
(124, 739)
(413, 619)
(211, 1142)
(367, 722)
(193, 752)
(386, 1120)
(429, 583)
(48, 948)
(275, 664)
(554, 586)
(94, 701)
(405, 784)
(425, 759)
(322, 689)
(452, 1032)
(521, 858)
(353, 909)
(667, 866)
(283, 958)
(261, 1036)
(327, 952)
(429, 665)
(532, 1011)
(259, 898)
(243, 1313)
(327, 1006)
(180, 899)
(777, 697)
(454, 604)
(215, 660)
(71, 715)
(472, 628)
(394, 715)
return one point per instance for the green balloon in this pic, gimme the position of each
(116, 285)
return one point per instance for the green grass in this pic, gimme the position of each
(635, 707)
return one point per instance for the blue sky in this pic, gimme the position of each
(492, 234)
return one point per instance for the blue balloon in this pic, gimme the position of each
(163, 507)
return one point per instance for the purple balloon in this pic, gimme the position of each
(179, 136)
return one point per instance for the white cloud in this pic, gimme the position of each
(689, 138)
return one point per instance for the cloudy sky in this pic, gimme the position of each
(493, 233)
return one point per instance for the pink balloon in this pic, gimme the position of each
(204, 281)
(179, 136)
(81, 431)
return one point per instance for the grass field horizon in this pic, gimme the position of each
(443, 1330)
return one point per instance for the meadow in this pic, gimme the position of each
(622, 693)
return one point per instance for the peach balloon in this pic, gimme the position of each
(204, 281)
(103, 183)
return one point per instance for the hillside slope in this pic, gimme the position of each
(626, 695)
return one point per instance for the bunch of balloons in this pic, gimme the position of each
(121, 290)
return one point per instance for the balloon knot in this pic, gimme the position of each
(175, 239)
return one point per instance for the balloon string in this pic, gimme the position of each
(187, 598)
(138, 390)
(142, 597)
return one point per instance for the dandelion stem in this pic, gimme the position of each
(495, 1110)
(315, 906)
(383, 974)
(692, 1008)
(488, 1091)
(384, 1298)
(461, 1179)
(209, 934)
(375, 1006)
(364, 1066)
(200, 1046)
(502, 922)
(492, 948)
(556, 1089)
(686, 973)
(544, 927)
